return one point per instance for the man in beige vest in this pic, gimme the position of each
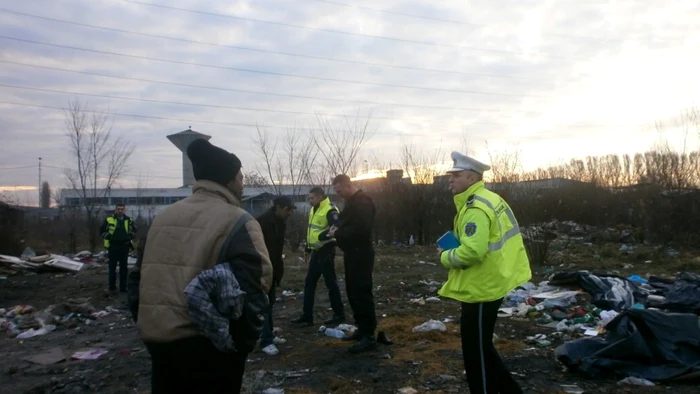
(189, 237)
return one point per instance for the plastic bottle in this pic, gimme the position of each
(536, 308)
(334, 332)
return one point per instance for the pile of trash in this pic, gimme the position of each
(24, 321)
(572, 230)
(45, 261)
(637, 327)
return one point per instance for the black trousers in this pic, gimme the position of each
(118, 254)
(266, 336)
(359, 264)
(322, 263)
(194, 365)
(486, 373)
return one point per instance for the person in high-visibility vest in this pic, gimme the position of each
(489, 262)
(117, 231)
(321, 247)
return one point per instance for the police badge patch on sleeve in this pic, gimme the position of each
(470, 229)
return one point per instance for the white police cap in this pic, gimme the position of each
(462, 162)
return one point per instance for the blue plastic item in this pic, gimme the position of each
(448, 241)
(638, 279)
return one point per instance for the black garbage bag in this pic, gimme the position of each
(681, 295)
(647, 344)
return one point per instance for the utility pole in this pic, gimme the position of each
(40, 186)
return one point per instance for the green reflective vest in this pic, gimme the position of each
(112, 225)
(318, 223)
(491, 260)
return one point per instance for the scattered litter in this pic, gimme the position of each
(51, 356)
(636, 382)
(273, 391)
(407, 390)
(347, 327)
(35, 333)
(432, 299)
(92, 354)
(430, 325)
(572, 389)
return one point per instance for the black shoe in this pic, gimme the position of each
(356, 336)
(335, 320)
(364, 345)
(303, 321)
(384, 339)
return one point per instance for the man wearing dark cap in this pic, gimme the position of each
(274, 226)
(203, 232)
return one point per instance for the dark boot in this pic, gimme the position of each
(365, 344)
(335, 320)
(356, 336)
(304, 321)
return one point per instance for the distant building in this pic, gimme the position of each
(37, 213)
(146, 203)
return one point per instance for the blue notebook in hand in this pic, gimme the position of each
(448, 241)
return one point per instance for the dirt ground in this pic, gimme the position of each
(310, 362)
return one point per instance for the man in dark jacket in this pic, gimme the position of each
(354, 237)
(273, 225)
(132, 300)
(117, 231)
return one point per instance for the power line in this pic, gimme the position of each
(245, 91)
(247, 70)
(16, 168)
(347, 61)
(210, 13)
(449, 21)
(429, 18)
(129, 174)
(188, 120)
(192, 104)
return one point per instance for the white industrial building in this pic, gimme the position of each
(146, 203)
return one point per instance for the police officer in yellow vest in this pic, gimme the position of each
(489, 262)
(322, 216)
(117, 232)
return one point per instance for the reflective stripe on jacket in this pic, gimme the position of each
(112, 225)
(318, 223)
(491, 259)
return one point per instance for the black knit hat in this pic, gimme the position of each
(212, 163)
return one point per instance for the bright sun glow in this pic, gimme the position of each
(16, 188)
(371, 174)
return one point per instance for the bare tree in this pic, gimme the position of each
(421, 166)
(506, 166)
(254, 179)
(270, 170)
(99, 160)
(340, 144)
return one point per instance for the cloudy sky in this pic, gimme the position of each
(556, 79)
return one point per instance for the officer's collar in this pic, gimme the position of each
(461, 198)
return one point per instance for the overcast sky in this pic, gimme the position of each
(557, 79)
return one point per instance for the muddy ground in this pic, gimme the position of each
(310, 362)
